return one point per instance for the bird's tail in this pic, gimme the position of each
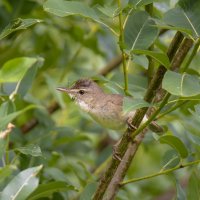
(156, 128)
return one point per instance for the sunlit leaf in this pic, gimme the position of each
(183, 85)
(63, 8)
(139, 32)
(22, 185)
(18, 24)
(158, 56)
(175, 143)
(32, 149)
(14, 70)
(46, 190)
(29, 77)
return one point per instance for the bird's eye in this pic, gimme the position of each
(81, 92)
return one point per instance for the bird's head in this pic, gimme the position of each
(83, 92)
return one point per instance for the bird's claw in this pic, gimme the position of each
(116, 154)
(130, 125)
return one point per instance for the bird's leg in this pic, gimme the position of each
(115, 146)
(130, 125)
(115, 152)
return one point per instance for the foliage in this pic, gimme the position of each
(55, 151)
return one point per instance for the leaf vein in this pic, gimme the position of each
(182, 79)
(190, 23)
(138, 35)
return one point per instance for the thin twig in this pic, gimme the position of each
(161, 172)
(121, 42)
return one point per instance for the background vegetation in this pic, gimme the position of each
(52, 150)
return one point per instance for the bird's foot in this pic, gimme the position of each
(130, 125)
(116, 154)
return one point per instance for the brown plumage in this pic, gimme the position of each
(104, 108)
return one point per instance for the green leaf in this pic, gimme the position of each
(158, 56)
(139, 3)
(170, 159)
(193, 191)
(14, 70)
(197, 109)
(186, 16)
(140, 31)
(2, 146)
(18, 24)
(88, 191)
(52, 85)
(32, 149)
(108, 10)
(5, 172)
(6, 107)
(63, 8)
(29, 77)
(160, 25)
(22, 185)
(183, 85)
(46, 190)
(141, 60)
(8, 118)
(56, 174)
(130, 104)
(175, 143)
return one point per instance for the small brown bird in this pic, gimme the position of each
(106, 109)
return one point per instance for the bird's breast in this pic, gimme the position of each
(108, 117)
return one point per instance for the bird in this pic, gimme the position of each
(106, 109)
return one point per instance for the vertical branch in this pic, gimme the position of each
(195, 49)
(130, 152)
(121, 45)
(122, 147)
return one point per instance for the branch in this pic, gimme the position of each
(114, 63)
(109, 184)
(121, 171)
(161, 172)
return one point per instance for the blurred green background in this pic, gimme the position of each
(65, 140)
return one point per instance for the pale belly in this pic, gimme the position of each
(110, 121)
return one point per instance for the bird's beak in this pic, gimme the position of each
(63, 89)
(67, 90)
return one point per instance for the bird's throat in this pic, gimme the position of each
(83, 105)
